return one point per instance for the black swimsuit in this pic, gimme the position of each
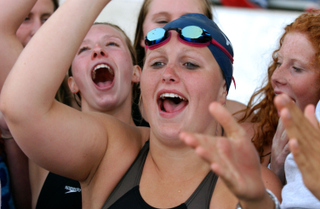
(59, 192)
(127, 195)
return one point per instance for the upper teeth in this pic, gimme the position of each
(171, 95)
(99, 67)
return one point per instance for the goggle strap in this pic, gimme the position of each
(193, 43)
(214, 42)
(234, 83)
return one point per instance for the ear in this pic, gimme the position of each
(72, 85)
(223, 93)
(136, 74)
(142, 44)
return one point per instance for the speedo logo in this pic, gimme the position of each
(71, 189)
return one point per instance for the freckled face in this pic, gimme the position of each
(160, 13)
(39, 14)
(177, 85)
(297, 74)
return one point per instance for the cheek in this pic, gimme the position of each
(146, 83)
(22, 33)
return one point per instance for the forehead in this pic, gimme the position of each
(176, 7)
(103, 30)
(43, 6)
(295, 43)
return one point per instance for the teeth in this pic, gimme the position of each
(171, 95)
(99, 67)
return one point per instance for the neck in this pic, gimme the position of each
(121, 112)
(182, 158)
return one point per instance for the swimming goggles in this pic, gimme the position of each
(190, 35)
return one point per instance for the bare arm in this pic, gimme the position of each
(12, 14)
(47, 131)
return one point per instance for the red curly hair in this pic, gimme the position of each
(264, 114)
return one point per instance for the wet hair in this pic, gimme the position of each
(141, 18)
(264, 113)
(135, 87)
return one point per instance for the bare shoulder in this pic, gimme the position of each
(235, 107)
(271, 181)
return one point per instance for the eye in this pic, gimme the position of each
(27, 18)
(162, 22)
(278, 64)
(82, 49)
(112, 43)
(296, 69)
(44, 19)
(190, 65)
(157, 65)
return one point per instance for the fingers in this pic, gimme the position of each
(309, 113)
(205, 146)
(228, 122)
(189, 139)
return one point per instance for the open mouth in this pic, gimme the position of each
(102, 75)
(170, 102)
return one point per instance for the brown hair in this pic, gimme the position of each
(264, 114)
(55, 4)
(139, 28)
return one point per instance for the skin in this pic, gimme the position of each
(232, 158)
(98, 164)
(105, 45)
(24, 175)
(296, 76)
(14, 36)
(39, 14)
(160, 13)
(235, 160)
(303, 131)
(102, 44)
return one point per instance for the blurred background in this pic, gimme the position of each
(253, 26)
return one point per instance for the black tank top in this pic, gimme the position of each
(127, 195)
(59, 192)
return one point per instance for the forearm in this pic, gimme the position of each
(12, 14)
(36, 76)
(27, 99)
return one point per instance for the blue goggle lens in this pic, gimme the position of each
(155, 36)
(192, 34)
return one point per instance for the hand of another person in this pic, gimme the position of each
(304, 135)
(280, 150)
(233, 158)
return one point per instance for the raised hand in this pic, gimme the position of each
(233, 158)
(304, 135)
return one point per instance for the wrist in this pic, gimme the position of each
(276, 204)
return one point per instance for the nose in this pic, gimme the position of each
(35, 26)
(98, 52)
(170, 74)
(279, 76)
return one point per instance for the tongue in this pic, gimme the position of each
(103, 78)
(173, 105)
